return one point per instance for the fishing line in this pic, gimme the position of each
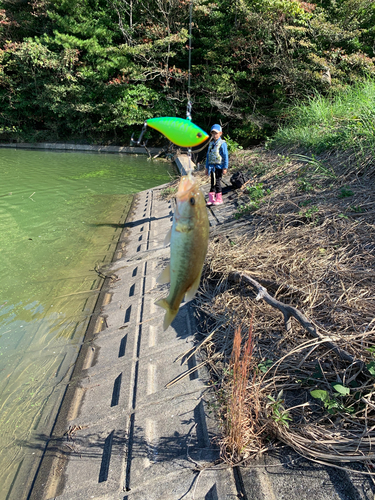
(182, 132)
(189, 105)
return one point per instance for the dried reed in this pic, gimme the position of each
(240, 394)
(323, 265)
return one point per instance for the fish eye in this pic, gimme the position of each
(192, 201)
(199, 134)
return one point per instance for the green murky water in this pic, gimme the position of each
(60, 215)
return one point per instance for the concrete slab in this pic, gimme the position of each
(286, 475)
(184, 164)
(123, 434)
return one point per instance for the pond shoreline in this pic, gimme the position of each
(79, 147)
(50, 479)
(126, 422)
(45, 483)
(106, 220)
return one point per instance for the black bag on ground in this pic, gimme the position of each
(238, 179)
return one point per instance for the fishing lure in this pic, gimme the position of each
(179, 131)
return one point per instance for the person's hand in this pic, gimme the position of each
(225, 171)
(206, 171)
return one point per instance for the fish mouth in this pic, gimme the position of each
(187, 183)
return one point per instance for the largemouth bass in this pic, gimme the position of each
(189, 239)
(182, 132)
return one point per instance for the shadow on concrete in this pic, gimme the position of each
(295, 477)
(129, 224)
(146, 220)
(180, 323)
(228, 189)
(183, 450)
(105, 224)
(177, 450)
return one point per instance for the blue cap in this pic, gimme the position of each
(216, 127)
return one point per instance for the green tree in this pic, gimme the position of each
(95, 69)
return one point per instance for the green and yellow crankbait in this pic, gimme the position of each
(179, 131)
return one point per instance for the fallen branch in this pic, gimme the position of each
(162, 151)
(147, 150)
(288, 312)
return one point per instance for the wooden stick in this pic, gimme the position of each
(288, 312)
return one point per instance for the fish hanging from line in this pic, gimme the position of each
(181, 132)
(189, 240)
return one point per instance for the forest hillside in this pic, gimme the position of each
(94, 70)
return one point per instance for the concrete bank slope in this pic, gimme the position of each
(123, 434)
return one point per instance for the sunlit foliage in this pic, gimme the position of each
(94, 70)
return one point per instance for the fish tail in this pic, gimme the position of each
(170, 313)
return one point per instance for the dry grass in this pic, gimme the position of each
(324, 265)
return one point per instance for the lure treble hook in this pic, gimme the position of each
(141, 135)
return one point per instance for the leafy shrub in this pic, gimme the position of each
(257, 192)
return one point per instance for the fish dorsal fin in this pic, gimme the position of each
(165, 275)
(190, 294)
(167, 238)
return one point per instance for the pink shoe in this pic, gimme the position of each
(219, 199)
(211, 199)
